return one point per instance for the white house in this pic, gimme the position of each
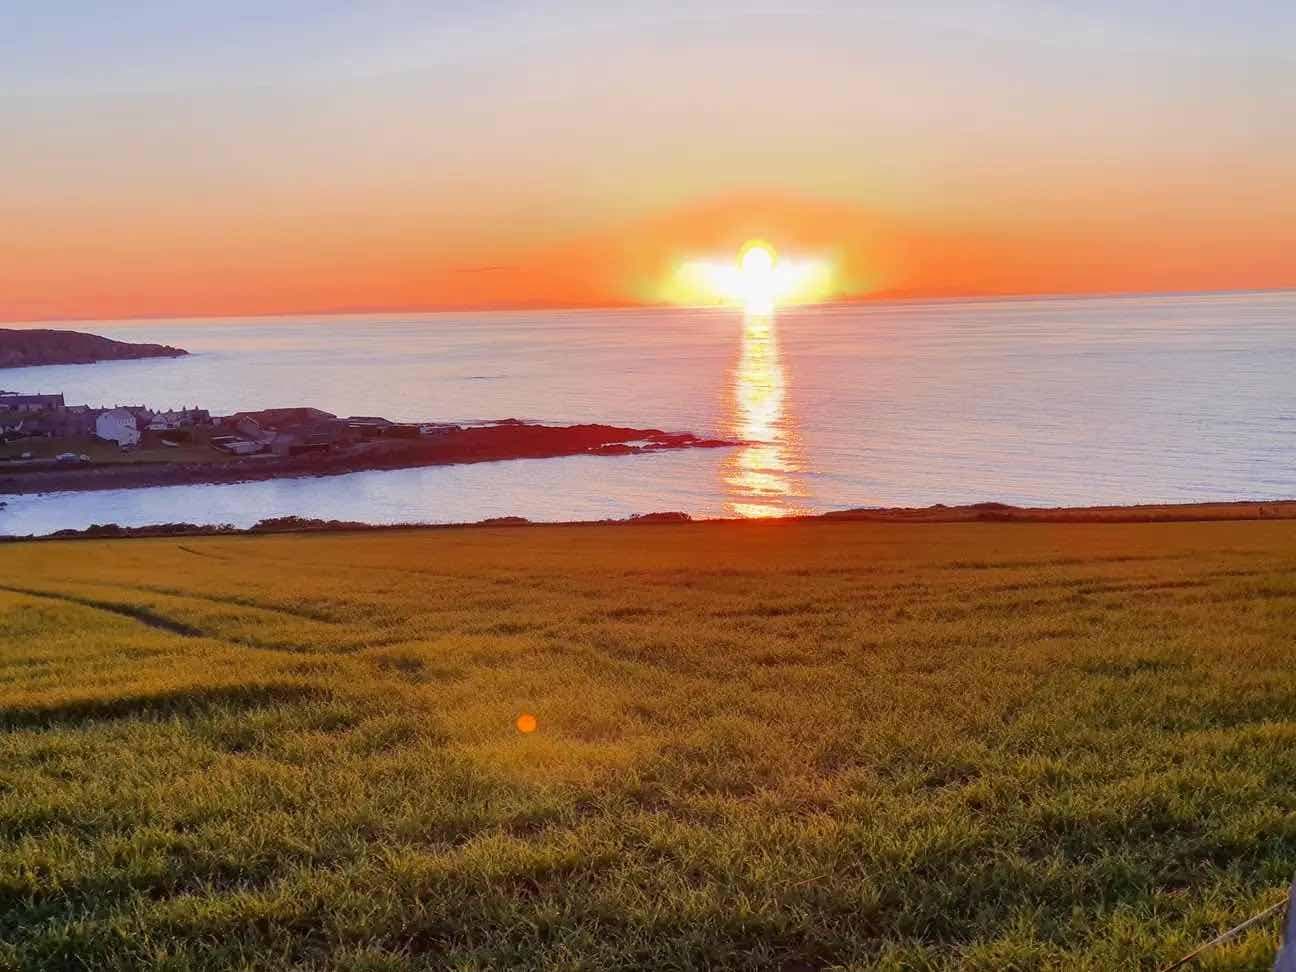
(118, 425)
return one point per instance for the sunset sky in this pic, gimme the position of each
(213, 159)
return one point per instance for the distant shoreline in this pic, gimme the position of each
(972, 514)
(40, 347)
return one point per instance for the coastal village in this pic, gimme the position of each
(34, 428)
(47, 445)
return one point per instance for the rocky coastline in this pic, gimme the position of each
(509, 439)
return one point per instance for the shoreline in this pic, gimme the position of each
(496, 442)
(976, 513)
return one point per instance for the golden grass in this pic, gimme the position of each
(790, 746)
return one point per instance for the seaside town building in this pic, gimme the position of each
(69, 422)
(177, 418)
(286, 431)
(282, 432)
(24, 416)
(15, 402)
(118, 425)
(279, 431)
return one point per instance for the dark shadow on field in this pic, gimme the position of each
(323, 640)
(406, 663)
(230, 601)
(192, 701)
(134, 612)
(202, 553)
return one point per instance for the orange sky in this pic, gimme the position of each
(161, 268)
(501, 160)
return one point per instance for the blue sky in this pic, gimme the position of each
(60, 46)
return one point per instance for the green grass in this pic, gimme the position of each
(766, 746)
(149, 450)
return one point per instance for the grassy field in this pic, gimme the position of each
(764, 746)
(150, 449)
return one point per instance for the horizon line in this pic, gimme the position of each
(882, 297)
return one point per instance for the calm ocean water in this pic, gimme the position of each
(1026, 401)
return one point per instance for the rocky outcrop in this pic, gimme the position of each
(487, 443)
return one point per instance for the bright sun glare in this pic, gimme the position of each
(758, 261)
(757, 285)
(758, 282)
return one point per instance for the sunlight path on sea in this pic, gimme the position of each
(759, 478)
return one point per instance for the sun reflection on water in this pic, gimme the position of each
(760, 476)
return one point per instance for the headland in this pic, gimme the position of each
(29, 347)
(48, 446)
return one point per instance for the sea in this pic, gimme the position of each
(1028, 401)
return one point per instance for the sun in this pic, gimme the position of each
(757, 260)
(758, 281)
